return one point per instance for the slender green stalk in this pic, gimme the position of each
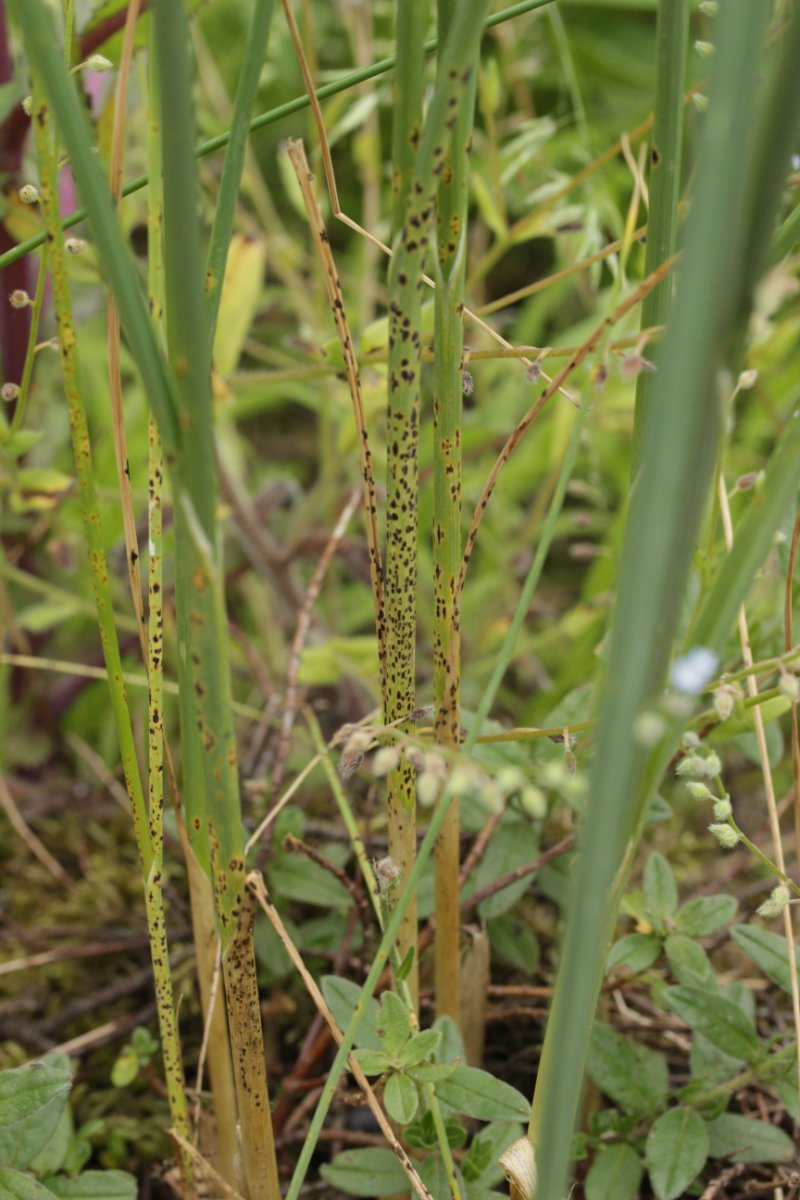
(30, 353)
(736, 186)
(400, 585)
(351, 79)
(672, 40)
(204, 652)
(449, 274)
(149, 852)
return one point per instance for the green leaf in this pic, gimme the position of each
(95, 1185)
(480, 1163)
(718, 1019)
(417, 1049)
(676, 1151)
(767, 950)
(515, 843)
(476, 1093)
(451, 1046)
(746, 1140)
(394, 1026)
(16, 1186)
(125, 1068)
(373, 1062)
(401, 1098)
(634, 1077)
(341, 996)
(434, 1175)
(370, 1173)
(689, 962)
(404, 969)
(432, 1072)
(31, 1102)
(660, 891)
(295, 878)
(636, 951)
(513, 940)
(705, 915)
(53, 1155)
(615, 1174)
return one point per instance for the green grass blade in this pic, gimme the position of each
(680, 443)
(672, 39)
(252, 62)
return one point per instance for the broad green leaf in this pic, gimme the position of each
(370, 1173)
(689, 962)
(401, 1098)
(52, 1156)
(660, 891)
(676, 1151)
(704, 915)
(476, 1093)
(394, 1027)
(373, 1062)
(708, 1063)
(31, 1102)
(480, 1164)
(768, 951)
(634, 1077)
(746, 1140)
(787, 1090)
(417, 1049)
(16, 1186)
(615, 1174)
(718, 1019)
(434, 1175)
(341, 996)
(95, 1185)
(636, 951)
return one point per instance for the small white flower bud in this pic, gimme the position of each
(29, 194)
(387, 873)
(726, 836)
(723, 810)
(9, 392)
(700, 101)
(712, 767)
(690, 740)
(776, 902)
(790, 686)
(724, 701)
(427, 789)
(533, 802)
(747, 380)
(699, 790)
(385, 760)
(19, 298)
(691, 766)
(98, 62)
(709, 7)
(704, 49)
(74, 245)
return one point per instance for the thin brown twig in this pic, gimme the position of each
(478, 847)
(36, 847)
(514, 876)
(297, 157)
(296, 846)
(204, 1167)
(255, 884)
(291, 699)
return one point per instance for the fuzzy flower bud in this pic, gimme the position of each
(29, 194)
(712, 767)
(726, 836)
(533, 802)
(691, 766)
(387, 873)
(428, 787)
(74, 245)
(19, 298)
(709, 7)
(699, 790)
(9, 392)
(385, 760)
(724, 700)
(723, 810)
(775, 903)
(98, 62)
(704, 49)
(747, 380)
